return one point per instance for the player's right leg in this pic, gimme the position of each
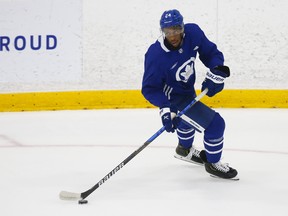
(185, 150)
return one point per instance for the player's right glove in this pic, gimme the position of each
(169, 121)
(214, 80)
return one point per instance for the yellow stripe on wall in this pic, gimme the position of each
(75, 100)
(249, 99)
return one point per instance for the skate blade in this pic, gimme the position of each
(231, 179)
(188, 160)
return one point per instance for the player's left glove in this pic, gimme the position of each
(214, 80)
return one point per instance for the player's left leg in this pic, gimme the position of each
(213, 139)
(213, 143)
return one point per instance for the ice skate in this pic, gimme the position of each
(191, 155)
(220, 170)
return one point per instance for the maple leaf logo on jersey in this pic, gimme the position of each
(185, 70)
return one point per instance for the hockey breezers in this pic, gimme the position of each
(65, 195)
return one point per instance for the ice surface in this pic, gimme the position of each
(42, 153)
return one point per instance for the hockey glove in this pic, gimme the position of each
(214, 80)
(169, 120)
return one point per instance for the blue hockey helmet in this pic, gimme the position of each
(171, 18)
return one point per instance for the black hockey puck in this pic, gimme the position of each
(82, 201)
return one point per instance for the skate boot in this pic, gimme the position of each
(191, 155)
(219, 169)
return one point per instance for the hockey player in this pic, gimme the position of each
(168, 83)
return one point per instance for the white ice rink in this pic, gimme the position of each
(42, 153)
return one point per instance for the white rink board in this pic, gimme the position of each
(116, 35)
(40, 41)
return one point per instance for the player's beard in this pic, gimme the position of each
(175, 42)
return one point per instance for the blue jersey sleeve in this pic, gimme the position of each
(153, 81)
(209, 54)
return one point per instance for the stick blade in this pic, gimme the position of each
(66, 195)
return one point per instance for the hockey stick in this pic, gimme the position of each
(65, 195)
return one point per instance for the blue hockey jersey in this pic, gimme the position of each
(171, 73)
